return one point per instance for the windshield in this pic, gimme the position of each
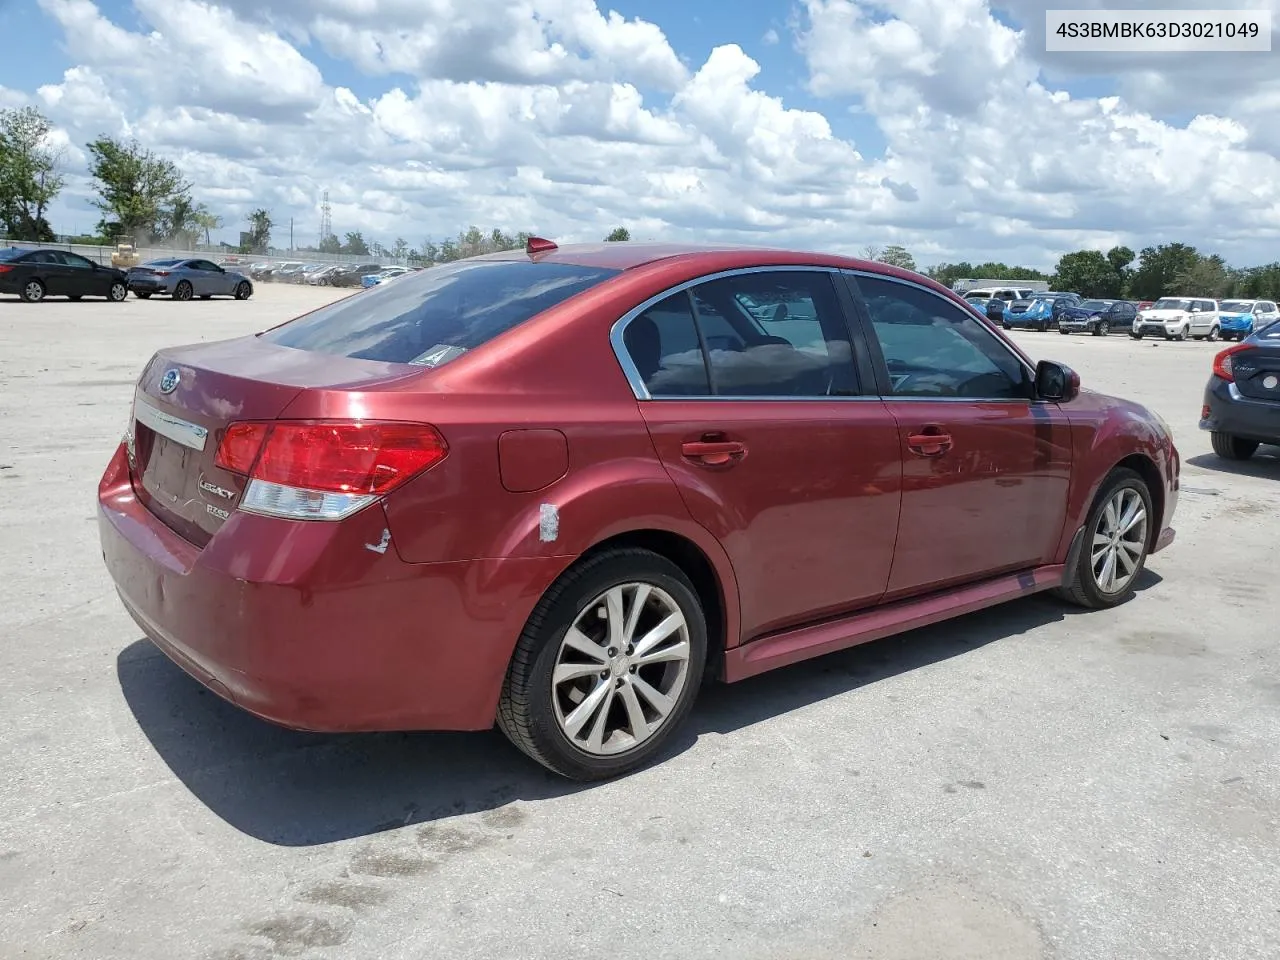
(1237, 306)
(433, 316)
(1095, 304)
(1171, 303)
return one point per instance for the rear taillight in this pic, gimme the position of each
(1222, 362)
(328, 470)
(5, 268)
(160, 273)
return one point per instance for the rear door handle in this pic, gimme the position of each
(714, 453)
(929, 444)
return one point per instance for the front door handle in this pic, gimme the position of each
(929, 443)
(714, 453)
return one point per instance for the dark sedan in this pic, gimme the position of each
(351, 276)
(36, 274)
(1242, 399)
(1098, 317)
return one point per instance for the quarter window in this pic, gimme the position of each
(934, 349)
(663, 344)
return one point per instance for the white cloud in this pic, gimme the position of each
(554, 116)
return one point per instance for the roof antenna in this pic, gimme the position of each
(539, 245)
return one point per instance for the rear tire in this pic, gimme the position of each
(1230, 447)
(1213, 335)
(1103, 329)
(539, 713)
(32, 291)
(182, 291)
(1088, 584)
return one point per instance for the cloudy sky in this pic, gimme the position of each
(829, 124)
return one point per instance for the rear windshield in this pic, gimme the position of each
(10, 252)
(437, 314)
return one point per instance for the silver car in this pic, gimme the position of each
(184, 278)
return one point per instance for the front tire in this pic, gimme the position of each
(117, 293)
(1230, 447)
(243, 290)
(182, 291)
(608, 666)
(1117, 538)
(1136, 334)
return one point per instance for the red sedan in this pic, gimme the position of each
(556, 489)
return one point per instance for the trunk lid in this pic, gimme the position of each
(1257, 370)
(187, 396)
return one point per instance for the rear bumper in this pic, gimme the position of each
(149, 286)
(306, 625)
(1241, 416)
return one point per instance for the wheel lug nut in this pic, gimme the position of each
(633, 669)
(619, 683)
(604, 674)
(613, 651)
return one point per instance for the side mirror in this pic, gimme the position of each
(1056, 382)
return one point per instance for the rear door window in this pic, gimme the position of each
(438, 314)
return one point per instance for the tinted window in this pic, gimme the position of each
(75, 260)
(437, 314)
(934, 349)
(161, 263)
(663, 344)
(11, 253)
(776, 334)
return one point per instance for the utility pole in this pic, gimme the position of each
(291, 234)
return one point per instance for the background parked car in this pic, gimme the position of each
(1176, 318)
(1239, 318)
(351, 276)
(382, 276)
(1242, 398)
(324, 275)
(1098, 317)
(183, 279)
(36, 274)
(1040, 312)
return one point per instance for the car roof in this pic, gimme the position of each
(629, 255)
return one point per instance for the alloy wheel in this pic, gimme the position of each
(34, 291)
(1119, 540)
(620, 669)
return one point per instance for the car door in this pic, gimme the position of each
(51, 271)
(215, 280)
(748, 385)
(84, 276)
(985, 466)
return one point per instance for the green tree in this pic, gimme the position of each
(29, 176)
(618, 235)
(259, 237)
(430, 251)
(897, 256)
(471, 243)
(135, 187)
(449, 251)
(500, 240)
(354, 244)
(1120, 258)
(400, 249)
(1158, 269)
(330, 244)
(179, 223)
(206, 222)
(1089, 273)
(1204, 277)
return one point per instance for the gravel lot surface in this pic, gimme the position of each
(1028, 782)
